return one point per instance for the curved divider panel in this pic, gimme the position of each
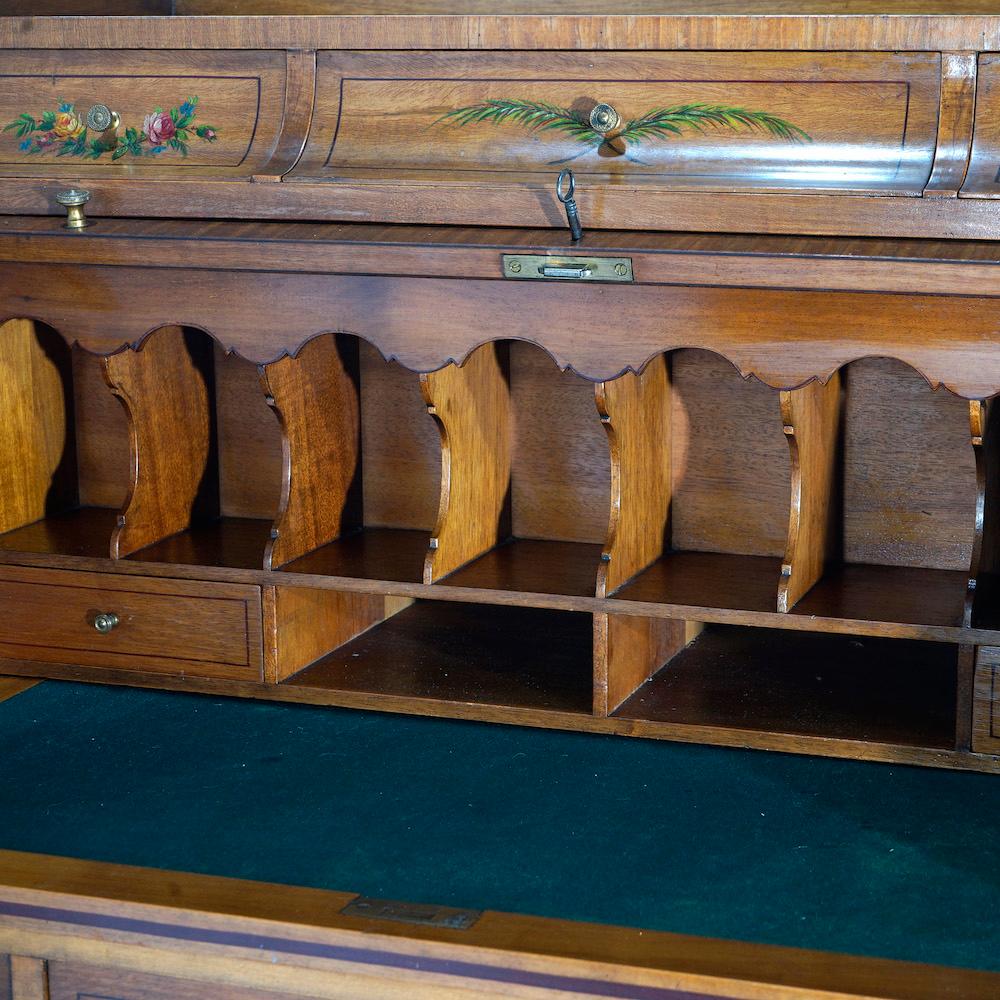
(168, 401)
(63, 448)
(37, 408)
(471, 405)
(981, 606)
(315, 397)
(205, 453)
(635, 411)
(811, 417)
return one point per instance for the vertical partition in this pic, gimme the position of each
(635, 410)
(315, 396)
(37, 456)
(811, 418)
(472, 407)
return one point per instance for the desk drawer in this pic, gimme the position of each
(783, 121)
(159, 626)
(182, 114)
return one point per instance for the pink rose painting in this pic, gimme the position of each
(159, 128)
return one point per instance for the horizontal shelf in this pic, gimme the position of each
(803, 684)
(708, 580)
(533, 566)
(891, 594)
(85, 532)
(393, 554)
(234, 542)
(483, 655)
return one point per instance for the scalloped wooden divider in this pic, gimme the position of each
(36, 446)
(984, 426)
(168, 401)
(315, 397)
(635, 411)
(472, 408)
(811, 417)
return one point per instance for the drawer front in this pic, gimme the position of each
(159, 626)
(87, 982)
(182, 114)
(831, 122)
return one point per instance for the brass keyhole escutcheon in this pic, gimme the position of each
(105, 622)
(604, 119)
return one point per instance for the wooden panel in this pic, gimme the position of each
(5, 986)
(250, 457)
(784, 337)
(164, 626)
(635, 410)
(983, 179)
(954, 139)
(559, 443)
(28, 978)
(72, 981)
(472, 407)
(102, 436)
(811, 418)
(204, 113)
(986, 701)
(731, 470)
(690, 120)
(167, 393)
(401, 447)
(315, 396)
(302, 625)
(37, 456)
(909, 471)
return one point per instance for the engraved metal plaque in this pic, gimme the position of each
(411, 913)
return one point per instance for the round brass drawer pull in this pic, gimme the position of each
(604, 119)
(73, 201)
(105, 622)
(100, 118)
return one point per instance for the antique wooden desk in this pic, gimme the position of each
(309, 395)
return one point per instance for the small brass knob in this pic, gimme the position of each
(604, 118)
(105, 622)
(73, 201)
(102, 120)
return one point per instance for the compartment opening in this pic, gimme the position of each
(549, 465)
(64, 453)
(207, 465)
(870, 689)
(730, 486)
(464, 654)
(364, 460)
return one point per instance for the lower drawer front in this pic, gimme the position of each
(135, 623)
(87, 982)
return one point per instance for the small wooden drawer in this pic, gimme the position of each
(182, 114)
(782, 121)
(163, 626)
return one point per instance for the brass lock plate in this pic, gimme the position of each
(553, 267)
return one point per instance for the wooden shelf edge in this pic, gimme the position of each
(819, 746)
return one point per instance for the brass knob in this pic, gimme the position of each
(73, 201)
(105, 622)
(104, 121)
(604, 118)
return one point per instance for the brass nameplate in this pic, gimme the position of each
(411, 913)
(557, 267)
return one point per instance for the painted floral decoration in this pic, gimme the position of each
(656, 125)
(66, 132)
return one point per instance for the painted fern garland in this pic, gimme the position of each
(659, 124)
